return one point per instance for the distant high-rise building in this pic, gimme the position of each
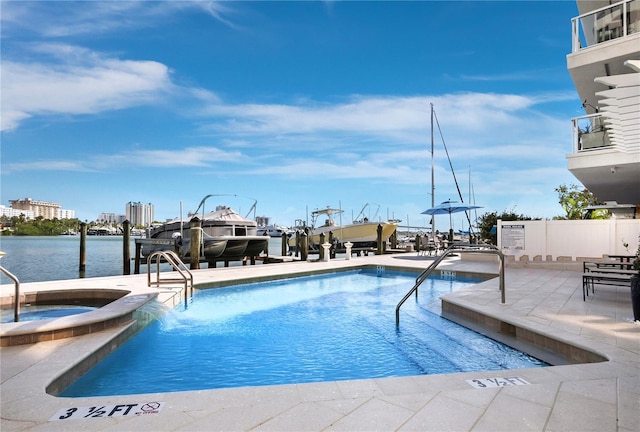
(138, 213)
(262, 220)
(11, 212)
(67, 214)
(47, 210)
(107, 218)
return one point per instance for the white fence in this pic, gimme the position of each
(567, 240)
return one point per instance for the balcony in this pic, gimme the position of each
(605, 68)
(606, 166)
(605, 24)
(589, 133)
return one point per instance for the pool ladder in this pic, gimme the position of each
(455, 248)
(16, 299)
(186, 278)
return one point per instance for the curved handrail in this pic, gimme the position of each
(460, 247)
(176, 263)
(16, 283)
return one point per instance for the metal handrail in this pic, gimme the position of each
(460, 247)
(176, 263)
(16, 283)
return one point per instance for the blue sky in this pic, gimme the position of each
(300, 105)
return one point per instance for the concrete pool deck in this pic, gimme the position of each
(603, 396)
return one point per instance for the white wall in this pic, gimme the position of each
(572, 238)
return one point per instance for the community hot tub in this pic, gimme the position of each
(115, 307)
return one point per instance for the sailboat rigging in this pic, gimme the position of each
(433, 116)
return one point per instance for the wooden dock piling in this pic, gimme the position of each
(83, 249)
(297, 248)
(304, 246)
(321, 249)
(285, 240)
(126, 252)
(196, 237)
(138, 257)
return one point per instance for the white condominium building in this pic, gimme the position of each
(138, 213)
(47, 210)
(604, 64)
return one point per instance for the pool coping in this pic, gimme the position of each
(113, 314)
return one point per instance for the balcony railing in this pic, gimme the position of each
(589, 133)
(608, 23)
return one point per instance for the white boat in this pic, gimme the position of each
(362, 232)
(226, 235)
(272, 230)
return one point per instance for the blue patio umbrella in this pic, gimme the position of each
(449, 207)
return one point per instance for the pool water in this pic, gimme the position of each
(33, 313)
(321, 328)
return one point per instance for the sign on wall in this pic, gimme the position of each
(512, 236)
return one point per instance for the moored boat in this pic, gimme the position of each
(272, 230)
(226, 235)
(362, 232)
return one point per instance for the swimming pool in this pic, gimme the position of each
(35, 313)
(322, 328)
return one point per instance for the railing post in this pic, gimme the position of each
(503, 295)
(434, 264)
(575, 35)
(16, 300)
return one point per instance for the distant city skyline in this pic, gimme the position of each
(298, 105)
(32, 208)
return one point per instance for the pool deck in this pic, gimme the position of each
(601, 397)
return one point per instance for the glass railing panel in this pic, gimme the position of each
(608, 24)
(589, 133)
(605, 24)
(633, 17)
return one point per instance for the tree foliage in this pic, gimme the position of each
(574, 202)
(39, 226)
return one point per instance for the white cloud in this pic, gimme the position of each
(97, 85)
(387, 137)
(48, 165)
(58, 19)
(188, 157)
(179, 158)
(479, 125)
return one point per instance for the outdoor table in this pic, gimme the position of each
(597, 265)
(623, 258)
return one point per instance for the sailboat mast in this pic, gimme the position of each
(433, 195)
(470, 202)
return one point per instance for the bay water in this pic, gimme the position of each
(46, 258)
